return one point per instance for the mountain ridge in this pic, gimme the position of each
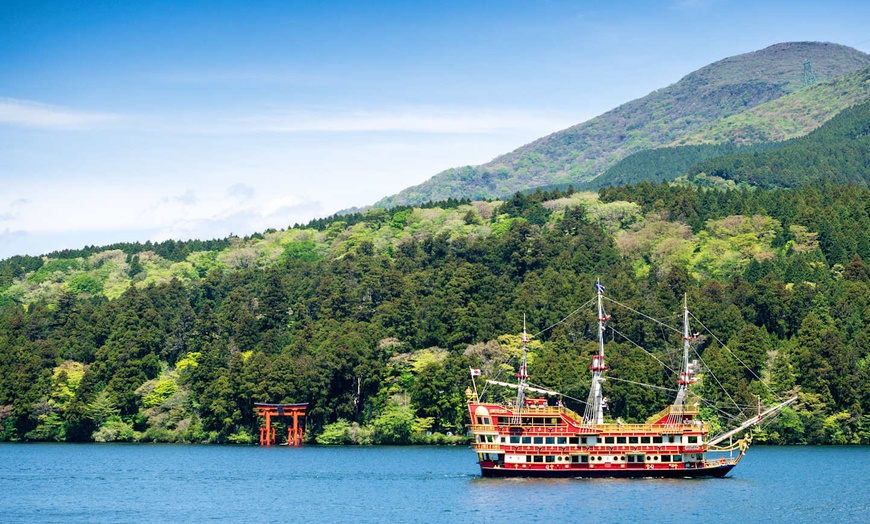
(584, 151)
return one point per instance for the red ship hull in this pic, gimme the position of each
(711, 472)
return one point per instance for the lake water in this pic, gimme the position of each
(168, 483)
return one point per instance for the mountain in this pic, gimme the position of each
(577, 154)
(838, 105)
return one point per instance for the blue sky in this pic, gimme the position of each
(125, 121)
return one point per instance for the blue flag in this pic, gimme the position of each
(599, 287)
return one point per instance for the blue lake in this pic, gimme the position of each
(168, 483)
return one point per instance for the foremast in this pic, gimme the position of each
(595, 405)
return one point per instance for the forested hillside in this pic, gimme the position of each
(838, 151)
(711, 105)
(374, 319)
(664, 164)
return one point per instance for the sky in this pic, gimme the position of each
(133, 121)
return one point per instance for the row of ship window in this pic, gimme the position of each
(551, 441)
(525, 421)
(585, 459)
(626, 458)
(661, 439)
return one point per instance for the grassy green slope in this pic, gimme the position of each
(791, 116)
(584, 151)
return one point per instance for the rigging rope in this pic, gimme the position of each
(642, 384)
(735, 356)
(669, 368)
(571, 314)
(662, 325)
(657, 321)
(562, 394)
(728, 416)
(710, 371)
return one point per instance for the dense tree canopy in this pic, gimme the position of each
(375, 324)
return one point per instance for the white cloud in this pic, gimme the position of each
(693, 5)
(10, 242)
(68, 216)
(419, 119)
(203, 176)
(242, 76)
(278, 213)
(27, 113)
(241, 191)
(12, 210)
(436, 120)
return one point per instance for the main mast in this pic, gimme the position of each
(523, 377)
(685, 373)
(594, 413)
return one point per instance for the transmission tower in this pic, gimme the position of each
(809, 76)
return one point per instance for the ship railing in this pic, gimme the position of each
(671, 410)
(596, 428)
(571, 414)
(485, 446)
(659, 428)
(529, 410)
(724, 461)
(543, 409)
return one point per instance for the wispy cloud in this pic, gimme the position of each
(279, 212)
(27, 113)
(410, 120)
(243, 77)
(421, 119)
(241, 191)
(10, 243)
(693, 5)
(12, 210)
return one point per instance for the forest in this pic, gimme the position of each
(376, 323)
(839, 152)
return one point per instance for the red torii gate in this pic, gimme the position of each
(294, 432)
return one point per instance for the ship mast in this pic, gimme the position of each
(676, 415)
(522, 376)
(594, 413)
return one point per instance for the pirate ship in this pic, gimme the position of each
(537, 436)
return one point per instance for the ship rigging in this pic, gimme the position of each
(538, 436)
